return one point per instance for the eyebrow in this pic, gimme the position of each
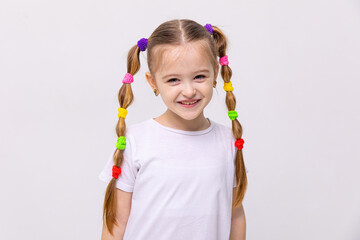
(169, 75)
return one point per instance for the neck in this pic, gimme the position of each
(169, 119)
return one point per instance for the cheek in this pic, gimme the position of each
(210, 93)
(167, 96)
(207, 89)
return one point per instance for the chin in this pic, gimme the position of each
(190, 117)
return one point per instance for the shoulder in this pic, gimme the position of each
(226, 135)
(223, 129)
(135, 133)
(138, 128)
(140, 132)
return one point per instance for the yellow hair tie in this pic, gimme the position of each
(228, 86)
(122, 112)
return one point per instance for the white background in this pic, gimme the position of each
(296, 78)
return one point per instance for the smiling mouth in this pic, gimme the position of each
(189, 101)
(190, 104)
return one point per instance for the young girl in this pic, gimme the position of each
(175, 176)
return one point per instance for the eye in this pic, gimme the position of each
(202, 76)
(172, 79)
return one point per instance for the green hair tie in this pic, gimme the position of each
(232, 115)
(121, 142)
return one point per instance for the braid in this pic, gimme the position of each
(230, 100)
(125, 97)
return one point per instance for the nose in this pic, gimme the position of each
(189, 90)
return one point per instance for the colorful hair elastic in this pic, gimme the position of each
(122, 112)
(116, 171)
(120, 143)
(224, 60)
(209, 28)
(232, 115)
(239, 143)
(128, 78)
(228, 86)
(142, 44)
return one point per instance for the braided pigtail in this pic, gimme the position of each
(125, 97)
(226, 73)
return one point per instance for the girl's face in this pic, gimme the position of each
(184, 73)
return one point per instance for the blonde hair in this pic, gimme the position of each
(175, 32)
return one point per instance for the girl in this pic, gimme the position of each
(175, 176)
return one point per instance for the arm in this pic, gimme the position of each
(118, 232)
(238, 222)
(123, 201)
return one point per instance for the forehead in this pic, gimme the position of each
(178, 59)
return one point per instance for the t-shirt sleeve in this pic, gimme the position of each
(129, 168)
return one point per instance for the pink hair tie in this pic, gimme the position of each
(128, 78)
(224, 60)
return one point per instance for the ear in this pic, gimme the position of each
(151, 80)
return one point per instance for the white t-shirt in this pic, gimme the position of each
(182, 181)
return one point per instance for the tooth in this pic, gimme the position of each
(188, 103)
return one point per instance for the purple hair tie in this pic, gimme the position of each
(142, 44)
(209, 28)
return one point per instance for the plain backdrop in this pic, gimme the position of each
(296, 80)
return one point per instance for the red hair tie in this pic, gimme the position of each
(116, 171)
(239, 143)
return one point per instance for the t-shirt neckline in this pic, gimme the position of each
(200, 132)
